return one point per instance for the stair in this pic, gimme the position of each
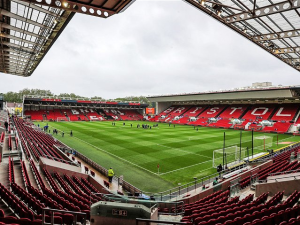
(221, 111)
(31, 176)
(244, 113)
(11, 154)
(7, 211)
(4, 172)
(253, 186)
(272, 114)
(19, 176)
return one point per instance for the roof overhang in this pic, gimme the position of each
(29, 28)
(272, 25)
(272, 95)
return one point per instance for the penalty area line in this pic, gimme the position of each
(184, 151)
(116, 156)
(186, 167)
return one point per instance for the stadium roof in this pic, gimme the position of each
(30, 27)
(272, 25)
(286, 94)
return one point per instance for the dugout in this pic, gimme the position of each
(115, 213)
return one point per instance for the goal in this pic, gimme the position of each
(233, 154)
(263, 142)
(59, 119)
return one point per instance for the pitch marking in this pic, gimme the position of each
(184, 151)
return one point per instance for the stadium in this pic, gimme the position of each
(197, 158)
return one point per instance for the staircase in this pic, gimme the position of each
(272, 114)
(244, 113)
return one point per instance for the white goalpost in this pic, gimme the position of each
(233, 154)
(263, 142)
(60, 119)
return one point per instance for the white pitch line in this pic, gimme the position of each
(116, 156)
(184, 151)
(186, 167)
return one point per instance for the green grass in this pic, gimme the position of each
(181, 151)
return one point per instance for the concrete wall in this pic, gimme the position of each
(288, 186)
(161, 106)
(97, 185)
(61, 168)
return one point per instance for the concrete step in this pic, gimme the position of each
(11, 154)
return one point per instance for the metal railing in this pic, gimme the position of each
(149, 221)
(146, 202)
(181, 191)
(52, 211)
(284, 172)
(277, 179)
(275, 153)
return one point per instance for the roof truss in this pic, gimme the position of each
(272, 25)
(28, 28)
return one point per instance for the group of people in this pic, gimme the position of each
(146, 126)
(170, 125)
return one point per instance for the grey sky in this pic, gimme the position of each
(154, 47)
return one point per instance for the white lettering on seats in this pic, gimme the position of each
(259, 114)
(197, 108)
(213, 110)
(280, 111)
(169, 110)
(234, 109)
(74, 112)
(179, 110)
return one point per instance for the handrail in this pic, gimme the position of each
(52, 211)
(279, 178)
(284, 172)
(149, 221)
(193, 185)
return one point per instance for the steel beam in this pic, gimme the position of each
(287, 50)
(279, 35)
(19, 39)
(9, 27)
(15, 16)
(38, 8)
(76, 7)
(19, 47)
(263, 11)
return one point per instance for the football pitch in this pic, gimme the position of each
(181, 152)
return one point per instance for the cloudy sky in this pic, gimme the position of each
(154, 47)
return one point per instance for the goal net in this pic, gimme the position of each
(59, 119)
(263, 142)
(233, 154)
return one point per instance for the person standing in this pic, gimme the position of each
(110, 174)
(63, 134)
(6, 125)
(219, 170)
(71, 133)
(215, 181)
